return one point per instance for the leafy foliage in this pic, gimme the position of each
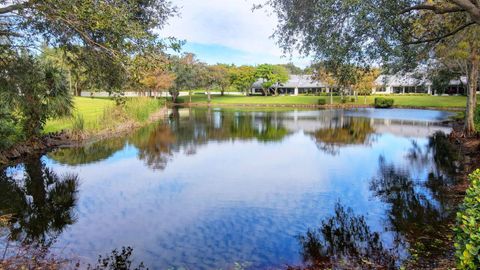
(242, 77)
(34, 91)
(271, 76)
(383, 102)
(467, 231)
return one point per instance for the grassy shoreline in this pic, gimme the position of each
(97, 115)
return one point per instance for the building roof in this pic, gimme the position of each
(411, 79)
(296, 81)
(408, 79)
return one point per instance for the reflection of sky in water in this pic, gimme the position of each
(233, 201)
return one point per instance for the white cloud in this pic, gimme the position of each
(229, 23)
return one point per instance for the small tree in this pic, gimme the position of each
(186, 69)
(158, 81)
(242, 78)
(271, 76)
(365, 82)
(219, 77)
(320, 73)
(36, 91)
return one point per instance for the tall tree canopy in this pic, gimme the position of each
(103, 37)
(397, 33)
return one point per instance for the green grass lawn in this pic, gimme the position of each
(419, 101)
(93, 114)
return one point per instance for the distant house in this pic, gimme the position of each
(414, 83)
(297, 84)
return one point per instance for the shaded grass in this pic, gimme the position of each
(95, 114)
(417, 101)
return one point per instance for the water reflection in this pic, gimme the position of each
(40, 201)
(421, 211)
(93, 152)
(208, 188)
(345, 241)
(347, 131)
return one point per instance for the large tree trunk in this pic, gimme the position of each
(472, 83)
(209, 96)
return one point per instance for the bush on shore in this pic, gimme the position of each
(383, 102)
(467, 230)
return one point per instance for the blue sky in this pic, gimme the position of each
(228, 31)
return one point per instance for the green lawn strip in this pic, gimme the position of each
(414, 101)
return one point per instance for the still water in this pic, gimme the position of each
(224, 188)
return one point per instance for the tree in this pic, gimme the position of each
(292, 69)
(100, 36)
(271, 76)
(101, 33)
(37, 90)
(219, 77)
(365, 82)
(187, 69)
(320, 73)
(242, 77)
(400, 34)
(159, 80)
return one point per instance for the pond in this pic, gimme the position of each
(224, 188)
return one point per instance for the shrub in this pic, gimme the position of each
(383, 102)
(352, 99)
(467, 229)
(321, 101)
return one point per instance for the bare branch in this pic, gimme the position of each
(435, 8)
(436, 39)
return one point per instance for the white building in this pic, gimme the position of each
(414, 83)
(297, 84)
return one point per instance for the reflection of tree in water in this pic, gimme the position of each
(344, 241)
(419, 213)
(90, 153)
(157, 144)
(41, 203)
(154, 145)
(343, 132)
